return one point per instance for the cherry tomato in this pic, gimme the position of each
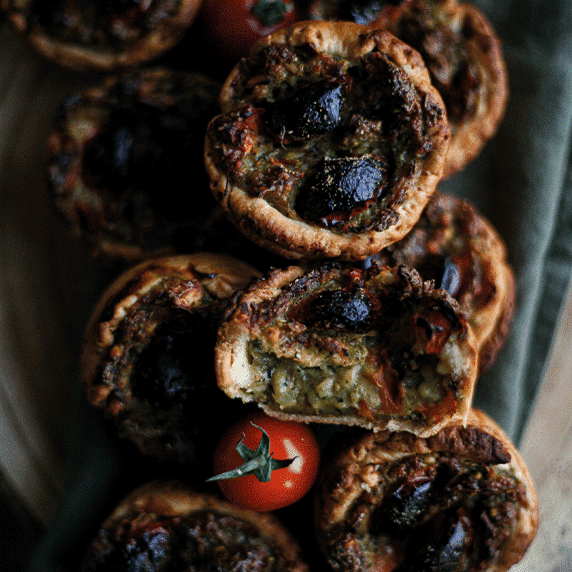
(230, 27)
(290, 443)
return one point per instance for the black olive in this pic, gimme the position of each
(312, 110)
(339, 185)
(451, 277)
(174, 365)
(108, 157)
(402, 511)
(342, 308)
(147, 554)
(443, 554)
(362, 11)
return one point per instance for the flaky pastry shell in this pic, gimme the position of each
(125, 168)
(147, 357)
(85, 37)
(331, 141)
(461, 251)
(462, 499)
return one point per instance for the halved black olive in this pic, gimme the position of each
(342, 308)
(402, 510)
(444, 554)
(451, 277)
(339, 185)
(312, 110)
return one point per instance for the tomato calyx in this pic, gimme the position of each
(259, 462)
(271, 12)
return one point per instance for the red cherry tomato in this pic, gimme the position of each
(230, 27)
(288, 440)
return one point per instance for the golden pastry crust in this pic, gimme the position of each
(331, 141)
(167, 523)
(462, 53)
(458, 248)
(461, 499)
(374, 347)
(125, 166)
(95, 37)
(147, 356)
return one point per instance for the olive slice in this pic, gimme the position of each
(311, 110)
(340, 185)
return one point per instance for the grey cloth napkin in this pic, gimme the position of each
(521, 182)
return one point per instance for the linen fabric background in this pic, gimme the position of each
(65, 461)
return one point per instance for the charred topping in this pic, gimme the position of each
(312, 110)
(452, 514)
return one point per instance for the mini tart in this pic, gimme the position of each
(125, 162)
(462, 53)
(101, 36)
(165, 525)
(461, 500)
(457, 248)
(375, 348)
(147, 359)
(330, 143)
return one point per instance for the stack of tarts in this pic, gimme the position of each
(347, 289)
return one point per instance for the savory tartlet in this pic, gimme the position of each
(147, 359)
(456, 247)
(165, 525)
(125, 166)
(101, 36)
(330, 141)
(462, 53)
(461, 500)
(375, 347)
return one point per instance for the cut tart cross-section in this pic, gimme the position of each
(373, 347)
